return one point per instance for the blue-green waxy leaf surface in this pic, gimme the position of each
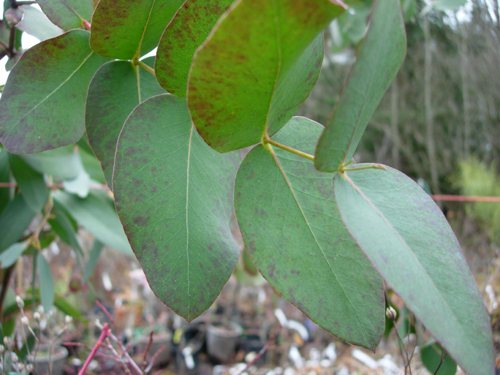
(380, 57)
(115, 90)
(123, 29)
(14, 220)
(410, 243)
(293, 232)
(256, 68)
(173, 194)
(31, 183)
(47, 291)
(43, 102)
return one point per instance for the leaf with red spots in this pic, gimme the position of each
(174, 196)
(381, 54)
(187, 31)
(124, 29)
(116, 89)
(67, 14)
(410, 243)
(43, 102)
(292, 230)
(256, 68)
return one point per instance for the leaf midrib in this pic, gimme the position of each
(53, 92)
(316, 240)
(355, 187)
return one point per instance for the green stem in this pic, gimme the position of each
(289, 149)
(146, 67)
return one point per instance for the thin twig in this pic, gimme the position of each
(118, 357)
(443, 356)
(263, 350)
(107, 314)
(104, 333)
(144, 359)
(153, 359)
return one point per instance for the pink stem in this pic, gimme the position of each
(104, 333)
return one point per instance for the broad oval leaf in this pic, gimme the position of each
(292, 230)
(98, 217)
(381, 54)
(63, 163)
(67, 14)
(116, 89)
(31, 183)
(37, 24)
(173, 194)
(124, 29)
(256, 68)
(14, 220)
(43, 102)
(431, 357)
(410, 243)
(185, 33)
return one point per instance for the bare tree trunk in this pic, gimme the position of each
(396, 140)
(429, 118)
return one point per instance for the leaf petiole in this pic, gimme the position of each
(145, 67)
(343, 168)
(286, 148)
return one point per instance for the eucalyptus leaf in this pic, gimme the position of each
(47, 292)
(173, 194)
(37, 24)
(31, 183)
(62, 163)
(94, 255)
(67, 14)
(64, 229)
(253, 72)
(4, 178)
(185, 33)
(410, 243)
(432, 358)
(293, 232)
(380, 57)
(124, 29)
(12, 254)
(14, 220)
(98, 217)
(116, 89)
(43, 102)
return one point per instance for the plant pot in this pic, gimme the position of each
(57, 360)
(159, 339)
(222, 341)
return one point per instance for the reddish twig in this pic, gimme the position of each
(153, 358)
(144, 359)
(104, 333)
(105, 311)
(263, 350)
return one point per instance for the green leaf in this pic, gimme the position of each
(37, 24)
(62, 226)
(46, 283)
(31, 183)
(62, 163)
(174, 197)
(4, 178)
(66, 308)
(14, 220)
(67, 14)
(92, 166)
(79, 185)
(381, 54)
(410, 243)
(305, 252)
(43, 102)
(185, 33)
(431, 358)
(98, 217)
(124, 29)
(92, 261)
(12, 254)
(256, 68)
(116, 89)
(447, 4)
